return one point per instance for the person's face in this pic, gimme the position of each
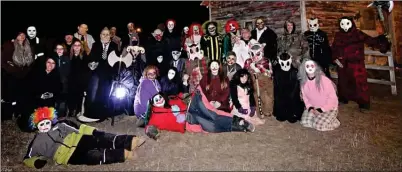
(68, 38)
(185, 29)
(170, 25)
(310, 68)
(77, 46)
(44, 126)
(105, 36)
(130, 27)
(231, 60)
(59, 50)
(260, 24)
(21, 37)
(50, 65)
(246, 35)
(82, 29)
(151, 74)
(113, 31)
(244, 79)
(171, 74)
(289, 27)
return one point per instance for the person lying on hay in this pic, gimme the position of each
(66, 144)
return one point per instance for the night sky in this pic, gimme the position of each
(54, 19)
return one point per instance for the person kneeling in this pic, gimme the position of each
(68, 145)
(319, 96)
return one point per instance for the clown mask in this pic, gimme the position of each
(158, 100)
(44, 126)
(232, 28)
(185, 30)
(345, 24)
(212, 29)
(214, 68)
(196, 30)
(159, 59)
(31, 31)
(285, 61)
(157, 34)
(313, 24)
(310, 67)
(171, 74)
(176, 55)
(105, 36)
(170, 25)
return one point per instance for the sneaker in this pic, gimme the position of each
(250, 127)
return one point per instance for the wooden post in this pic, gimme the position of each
(210, 11)
(303, 16)
(391, 32)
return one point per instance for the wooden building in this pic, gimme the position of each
(328, 13)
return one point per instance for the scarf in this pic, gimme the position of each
(22, 55)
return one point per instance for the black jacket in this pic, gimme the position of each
(320, 51)
(268, 37)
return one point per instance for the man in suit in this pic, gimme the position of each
(267, 36)
(132, 38)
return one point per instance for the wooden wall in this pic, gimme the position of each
(275, 12)
(397, 30)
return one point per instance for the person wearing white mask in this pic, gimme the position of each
(37, 44)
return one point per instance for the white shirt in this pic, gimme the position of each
(259, 32)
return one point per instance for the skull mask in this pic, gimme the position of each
(212, 29)
(214, 68)
(185, 30)
(176, 55)
(44, 126)
(313, 24)
(170, 25)
(285, 60)
(310, 67)
(158, 34)
(31, 31)
(158, 100)
(345, 24)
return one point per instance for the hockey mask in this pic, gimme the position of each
(313, 24)
(214, 68)
(310, 67)
(158, 34)
(176, 55)
(105, 36)
(256, 51)
(159, 59)
(345, 24)
(171, 74)
(31, 31)
(158, 100)
(285, 60)
(185, 30)
(44, 126)
(212, 29)
(170, 25)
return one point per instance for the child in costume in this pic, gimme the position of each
(68, 145)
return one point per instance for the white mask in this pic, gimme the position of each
(31, 31)
(158, 101)
(44, 126)
(170, 25)
(171, 74)
(176, 55)
(345, 24)
(285, 64)
(186, 30)
(211, 29)
(159, 59)
(313, 24)
(310, 67)
(214, 68)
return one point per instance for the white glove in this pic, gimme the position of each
(46, 95)
(10, 63)
(93, 65)
(338, 63)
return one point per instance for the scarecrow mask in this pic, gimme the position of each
(31, 31)
(214, 68)
(310, 67)
(313, 24)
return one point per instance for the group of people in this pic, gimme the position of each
(205, 80)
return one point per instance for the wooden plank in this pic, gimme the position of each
(376, 67)
(376, 53)
(378, 81)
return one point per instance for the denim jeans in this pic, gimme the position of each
(209, 120)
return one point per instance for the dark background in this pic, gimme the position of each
(54, 19)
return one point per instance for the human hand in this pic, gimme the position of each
(217, 104)
(185, 77)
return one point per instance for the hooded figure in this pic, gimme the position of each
(293, 43)
(156, 47)
(37, 44)
(171, 36)
(212, 42)
(348, 54)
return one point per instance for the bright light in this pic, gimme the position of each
(120, 92)
(138, 30)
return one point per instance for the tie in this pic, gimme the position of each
(104, 54)
(82, 38)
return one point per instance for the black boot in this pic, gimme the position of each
(239, 124)
(364, 108)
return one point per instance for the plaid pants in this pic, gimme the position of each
(325, 121)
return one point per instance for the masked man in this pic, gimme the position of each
(82, 35)
(195, 34)
(232, 35)
(156, 47)
(267, 36)
(318, 43)
(171, 38)
(37, 45)
(131, 38)
(196, 67)
(100, 82)
(212, 42)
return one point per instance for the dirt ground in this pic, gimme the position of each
(371, 141)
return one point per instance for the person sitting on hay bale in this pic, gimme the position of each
(66, 144)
